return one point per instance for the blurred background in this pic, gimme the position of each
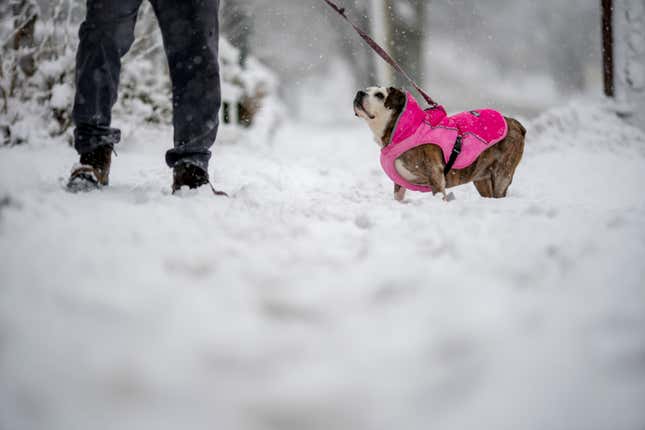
(518, 56)
(522, 56)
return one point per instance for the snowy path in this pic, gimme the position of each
(312, 300)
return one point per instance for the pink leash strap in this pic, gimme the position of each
(380, 51)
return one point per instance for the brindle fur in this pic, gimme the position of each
(492, 173)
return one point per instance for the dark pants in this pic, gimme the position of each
(190, 30)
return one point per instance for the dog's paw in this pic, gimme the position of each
(399, 195)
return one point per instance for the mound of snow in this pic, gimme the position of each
(586, 126)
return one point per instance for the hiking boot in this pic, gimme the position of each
(188, 175)
(93, 172)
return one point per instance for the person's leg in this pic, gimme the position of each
(105, 36)
(190, 31)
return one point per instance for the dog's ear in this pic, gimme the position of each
(395, 99)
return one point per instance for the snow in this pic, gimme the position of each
(62, 96)
(311, 300)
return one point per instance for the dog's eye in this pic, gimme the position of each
(379, 96)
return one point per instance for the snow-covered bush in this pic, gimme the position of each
(38, 102)
(249, 93)
(35, 78)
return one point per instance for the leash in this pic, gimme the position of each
(216, 192)
(381, 52)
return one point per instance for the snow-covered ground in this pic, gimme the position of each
(311, 300)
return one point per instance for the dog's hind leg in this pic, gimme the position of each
(504, 171)
(500, 186)
(485, 187)
(502, 176)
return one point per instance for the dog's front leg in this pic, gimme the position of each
(438, 181)
(399, 193)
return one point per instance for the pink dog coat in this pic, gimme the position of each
(479, 130)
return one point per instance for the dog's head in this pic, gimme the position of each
(380, 107)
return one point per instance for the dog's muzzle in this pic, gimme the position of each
(358, 104)
(358, 101)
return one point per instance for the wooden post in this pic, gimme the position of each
(608, 46)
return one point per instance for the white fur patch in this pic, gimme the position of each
(405, 173)
(375, 106)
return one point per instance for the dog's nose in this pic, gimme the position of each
(360, 96)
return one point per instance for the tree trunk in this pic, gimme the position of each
(237, 25)
(381, 26)
(608, 46)
(406, 41)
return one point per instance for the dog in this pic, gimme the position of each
(484, 146)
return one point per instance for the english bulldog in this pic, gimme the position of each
(483, 146)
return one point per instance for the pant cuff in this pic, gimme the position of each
(89, 138)
(178, 156)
